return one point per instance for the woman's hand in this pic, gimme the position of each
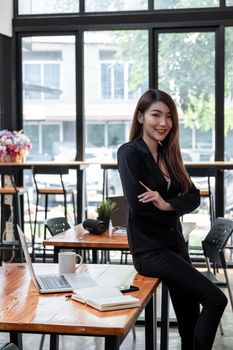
(155, 198)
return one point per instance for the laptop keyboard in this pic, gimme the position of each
(55, 282)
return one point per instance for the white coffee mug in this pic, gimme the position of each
(67, 262)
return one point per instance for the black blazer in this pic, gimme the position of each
(148, 227)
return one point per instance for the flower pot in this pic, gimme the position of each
(7, 158)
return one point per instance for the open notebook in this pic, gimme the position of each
(54, 283)
(105, 298)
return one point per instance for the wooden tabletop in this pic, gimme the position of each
(23, 309)
(71, 239)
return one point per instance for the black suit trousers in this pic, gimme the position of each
(188, 289)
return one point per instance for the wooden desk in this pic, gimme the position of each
(70, 239)
(24, 310)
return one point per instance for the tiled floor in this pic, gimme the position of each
(225, 342)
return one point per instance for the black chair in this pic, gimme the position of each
(57, 225)
(214, 246)
(47, 191)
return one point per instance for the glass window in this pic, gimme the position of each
(229, 2)
(106, 78)
(95, 135)
(32, 131)
(32, 80)
(181, 4)
(185, 137)
(115, 5)
(52, 80)
(112, 76)
(44, 6)
(118, 79)
(49, 95)
(186, 71)
(50, 136)
(41, 81)
(116, 74)
(116, 134)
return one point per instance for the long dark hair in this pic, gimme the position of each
(170, 149)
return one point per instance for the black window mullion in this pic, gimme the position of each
(17, 98)
(153, 58)
(81, 7)
(79, 62)
(219, 93)
(219, 117)
(150, 5)
(15, 8)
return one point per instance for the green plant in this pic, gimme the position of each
(105, 208)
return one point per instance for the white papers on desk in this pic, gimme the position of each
(121, 231)
(117, 275)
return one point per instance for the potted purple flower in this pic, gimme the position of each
(14, 146)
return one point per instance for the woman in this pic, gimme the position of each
(158, 191)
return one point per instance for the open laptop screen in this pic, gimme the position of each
(120, 213)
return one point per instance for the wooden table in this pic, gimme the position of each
(24, 310)
(70, 239)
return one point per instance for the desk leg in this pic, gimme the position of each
(54, 342)
(112, 343)
(17, 339)
(164, 318)
(55, 254)
(151, 324)
(95, 256)
(79, 195)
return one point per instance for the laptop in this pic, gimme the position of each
(119, 215)
(54, 283)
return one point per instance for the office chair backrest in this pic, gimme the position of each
(214, 243)
(57, 225)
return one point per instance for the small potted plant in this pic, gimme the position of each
(104, 210)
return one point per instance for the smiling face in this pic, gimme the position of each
(156, 122)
